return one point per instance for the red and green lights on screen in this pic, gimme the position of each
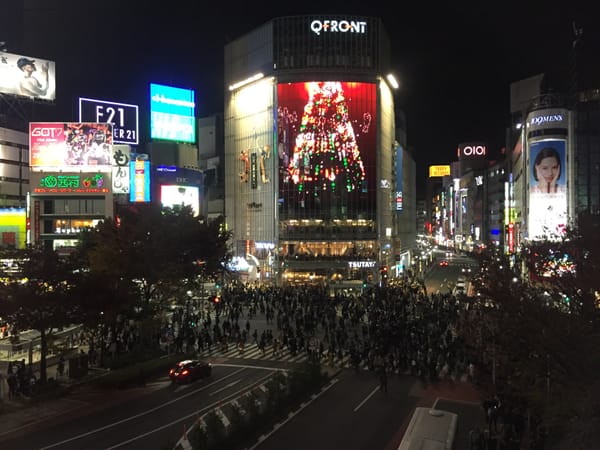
(327, 130)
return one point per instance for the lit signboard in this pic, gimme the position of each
(172, 113)
(59, 183)
(327, 144)
(13, 223)
(399, 183)
(123, 117)
(338, 26)
(29, 77)
(547, 119)
(547, 189)
(176, 195)
(471, 150)
(439, 171)
(70, 146)
(139, 189)
(120, 169)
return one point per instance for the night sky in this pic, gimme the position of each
(455, 63)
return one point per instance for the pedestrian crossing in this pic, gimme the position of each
(252, 352)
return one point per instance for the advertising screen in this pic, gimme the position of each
(327, 141)
(547, 189)
(174, 195)
(13, 227)
(26, 76)
(70, 146)
(139, 181)
(172, 113)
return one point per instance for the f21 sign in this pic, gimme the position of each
(123, 117)
(471, 150)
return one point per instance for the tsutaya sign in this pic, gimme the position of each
(338, 26)
(361, 264)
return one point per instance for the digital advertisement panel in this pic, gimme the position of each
(70, 146)
(547, 189)
(123, 117)
(139, 180)
(327, 142)
(174, 195)
(172, 113)
(13, 227)
(26, 76)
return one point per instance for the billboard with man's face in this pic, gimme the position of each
(28, 77)
(547, 189)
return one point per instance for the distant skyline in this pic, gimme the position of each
(455, 63)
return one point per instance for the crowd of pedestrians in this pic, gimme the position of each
(396, 328)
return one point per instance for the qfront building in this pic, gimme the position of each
(313, 165)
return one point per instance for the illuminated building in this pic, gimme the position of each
(314, 166)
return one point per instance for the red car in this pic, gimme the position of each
(190, 370)
(444, 263)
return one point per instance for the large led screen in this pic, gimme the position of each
(70, 146)
(27, 76)
(327, 141)
(175, 195)
(547, 189)
(172, 113)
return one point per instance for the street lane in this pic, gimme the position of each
(152, 419)
(349, 416)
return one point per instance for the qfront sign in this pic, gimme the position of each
(123, 117)
(338, 26)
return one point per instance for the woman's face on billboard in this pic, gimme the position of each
(548, 170)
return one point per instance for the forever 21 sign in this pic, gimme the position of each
(471, 150)
(123, 117)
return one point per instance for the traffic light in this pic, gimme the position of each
(383, 272)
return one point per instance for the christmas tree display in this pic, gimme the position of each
(326, 156)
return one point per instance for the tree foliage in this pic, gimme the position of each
(39, 295)
(536, 318)
(160, 249)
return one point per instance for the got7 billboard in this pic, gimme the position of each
(70, 146)
(327, 142)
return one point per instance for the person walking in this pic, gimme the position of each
(383, 380)
(60, 370)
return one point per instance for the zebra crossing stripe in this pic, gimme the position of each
(223, 417)
(239, 407)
